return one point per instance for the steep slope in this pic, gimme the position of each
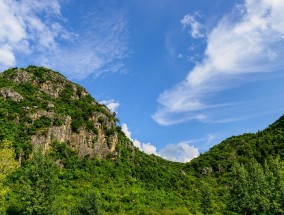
(72, 158)
(40, 107)
(259, 146)
(60, 133)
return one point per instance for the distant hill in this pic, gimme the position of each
(62, 152)
(261, 146)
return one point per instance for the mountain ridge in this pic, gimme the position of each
(58, 110)
(69, 156)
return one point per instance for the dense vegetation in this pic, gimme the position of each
(242, 175)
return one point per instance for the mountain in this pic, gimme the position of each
(62, 152)
(261, 146)
(43, 107)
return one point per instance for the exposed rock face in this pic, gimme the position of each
(50, 112)
(47, 81)
(207, 170)
(11, 94)
(21, 76)
(51, 89)
(83, 141)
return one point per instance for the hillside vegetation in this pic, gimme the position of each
(61, 152)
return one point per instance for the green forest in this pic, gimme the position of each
(241, 175)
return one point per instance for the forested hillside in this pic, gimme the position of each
(62, 152)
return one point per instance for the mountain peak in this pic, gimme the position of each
(45, 107)
(46, 80)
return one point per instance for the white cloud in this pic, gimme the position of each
(24, 30)
(181, 152)
(145, 147)
(197, 29)
(111, 104)
(149, 149)
(6, 56)
(36, 32)
(126, 131)
(249, 40)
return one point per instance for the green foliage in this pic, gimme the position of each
(58, 120)
(257, 189)
(205, 202)
(66, 93)
(7, 166)
(36, 185)
(39, 74)
(246, 178)
(260, 146)
(91, 127)
(77, 122)
(16, 123)
(42, 122)
(87, 206)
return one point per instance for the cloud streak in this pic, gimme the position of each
(99, 49)
(197, 29)
(250, 40)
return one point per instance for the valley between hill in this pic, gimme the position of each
(62, 152)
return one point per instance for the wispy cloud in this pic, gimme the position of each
(23, 30)
(180, 152)
(99, 49)
(35, 32)
(250, 40)
(197, 29)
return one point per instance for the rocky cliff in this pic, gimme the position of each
(46, 108)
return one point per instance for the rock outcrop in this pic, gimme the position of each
(57, 110)
(83, 141)
(10, 94)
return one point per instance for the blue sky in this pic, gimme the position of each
(182, 75)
